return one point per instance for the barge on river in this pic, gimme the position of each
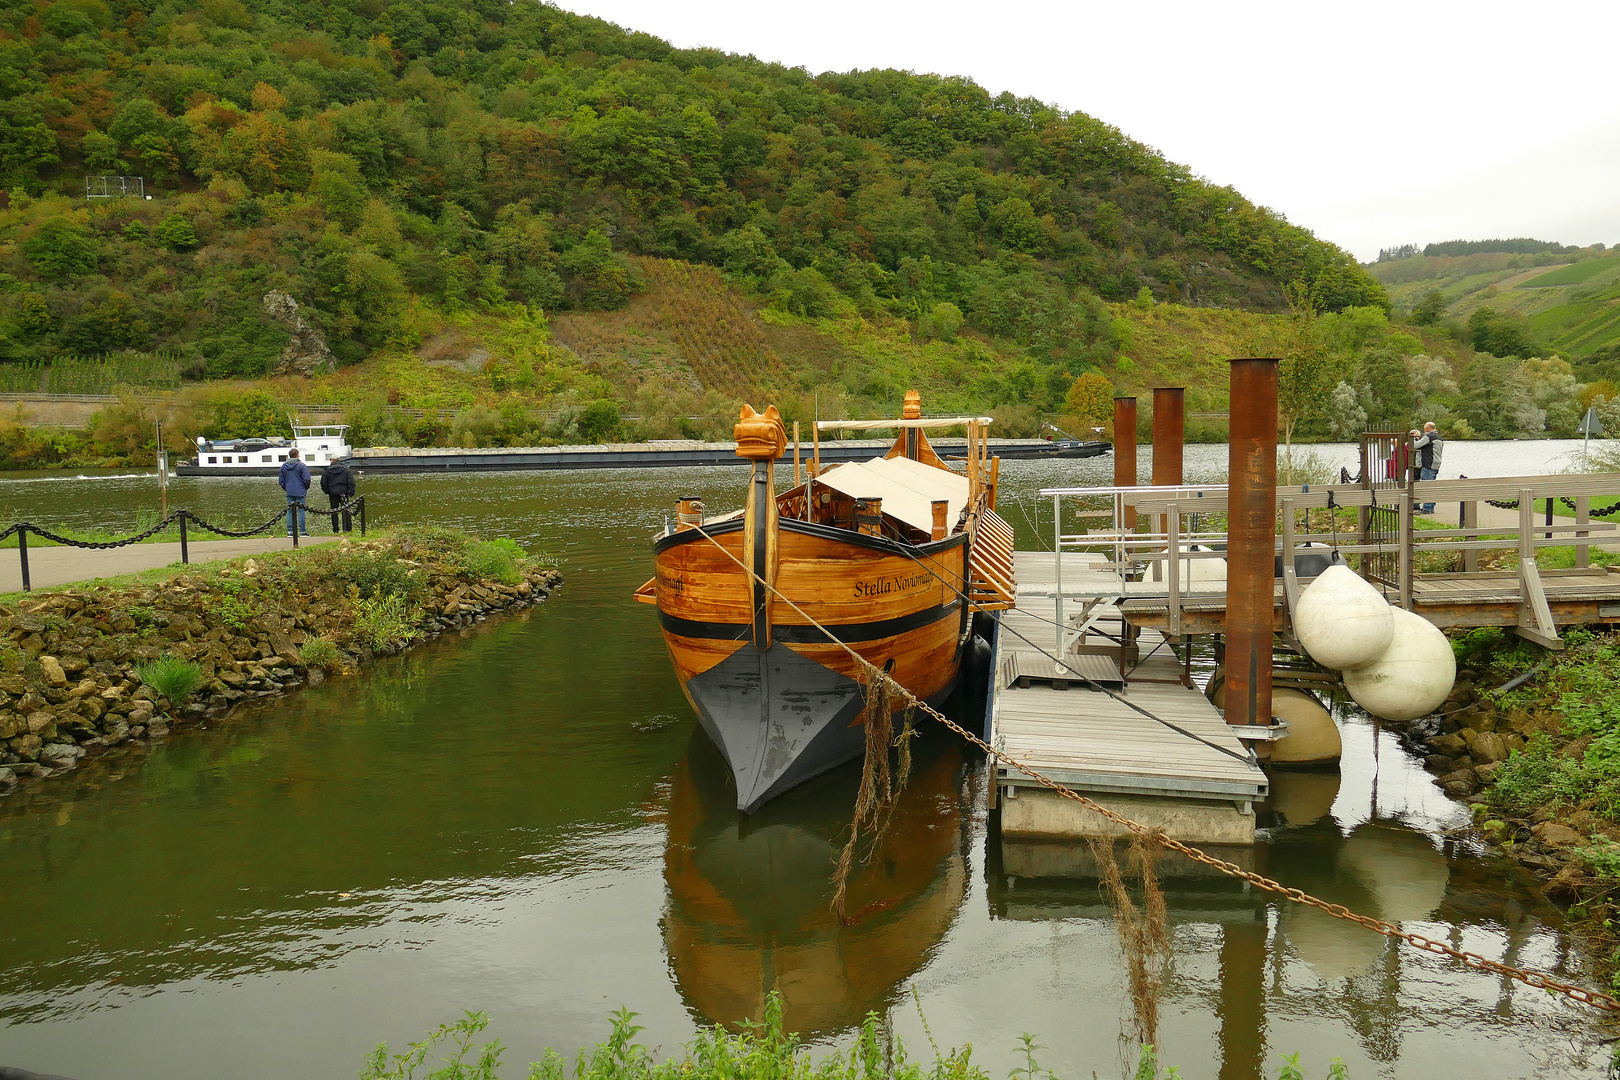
(317, 446)
(893, 556)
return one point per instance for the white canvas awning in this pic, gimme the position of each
(908, 488)
(879, 425)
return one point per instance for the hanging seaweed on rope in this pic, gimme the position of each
(1144, 932)
(881, 781)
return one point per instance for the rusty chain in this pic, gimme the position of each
(1536, 979)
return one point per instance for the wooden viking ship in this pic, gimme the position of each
(892, 556)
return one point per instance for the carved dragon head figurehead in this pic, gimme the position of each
(760, 436)
(912, 407)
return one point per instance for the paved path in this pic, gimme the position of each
(51, 566)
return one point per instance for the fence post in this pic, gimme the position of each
(292, 519)
(22, 555)
(185, 554)
(362, 515)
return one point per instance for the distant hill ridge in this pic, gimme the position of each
(1522, 245)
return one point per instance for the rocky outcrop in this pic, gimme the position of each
(306, 352)
(69, 687)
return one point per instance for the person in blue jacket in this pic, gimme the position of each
(294, 480)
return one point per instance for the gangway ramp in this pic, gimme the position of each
(1184, 771)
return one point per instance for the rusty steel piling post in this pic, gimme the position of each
(1125, 454)
(1251, 541)
(1169, 430)
(1169, 427)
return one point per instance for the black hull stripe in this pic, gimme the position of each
(810, 635)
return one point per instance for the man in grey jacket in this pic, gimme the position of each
(1428, 444)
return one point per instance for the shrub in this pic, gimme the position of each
(600, 419)
(372, 574)
(320, 652)
(176, 233)
(171, 677)
(61, 248)
(383, 620)
(941, 323)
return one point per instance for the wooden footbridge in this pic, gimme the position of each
(1433, 572)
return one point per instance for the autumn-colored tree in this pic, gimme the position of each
(1091, 398)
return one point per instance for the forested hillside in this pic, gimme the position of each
(408, 170)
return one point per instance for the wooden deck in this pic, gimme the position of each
(1087, 739)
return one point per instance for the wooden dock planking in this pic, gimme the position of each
(1096, 743)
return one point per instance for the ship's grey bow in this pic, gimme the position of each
(779, 719)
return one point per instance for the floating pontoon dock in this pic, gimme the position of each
(1198, 784)
(1120, 610)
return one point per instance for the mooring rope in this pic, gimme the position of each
(1535, 979)
(1078, 677)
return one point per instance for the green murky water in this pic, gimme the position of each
(524, 820)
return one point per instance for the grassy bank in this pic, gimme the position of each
(1540, 763)
(86, 668)
(760, 1051)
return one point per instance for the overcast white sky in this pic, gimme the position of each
(1372, 123)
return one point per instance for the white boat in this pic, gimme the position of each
(317, 445)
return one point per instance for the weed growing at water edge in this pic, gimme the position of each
(760, 1050)
(372, 573)
(171, 677)
(492, 560)
(382, 620)
(320, 652)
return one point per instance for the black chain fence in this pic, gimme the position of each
(355, 507)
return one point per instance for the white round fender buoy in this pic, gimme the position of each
(1342, 621)
(1413, 676)
(1313, 738)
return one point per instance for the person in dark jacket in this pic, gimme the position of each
(1428, 444)
(338, 483)
(294, 480)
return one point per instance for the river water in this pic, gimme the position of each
(524, 820)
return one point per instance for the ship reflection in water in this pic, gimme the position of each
(750, 896)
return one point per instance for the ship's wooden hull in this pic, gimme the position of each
(786, 706)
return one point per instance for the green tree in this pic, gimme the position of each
(941, 323)
(1429, 310)
(61, 248)
(114, 323)
(599, 420)
(1487, 402)
(34, 315)
(100, 152)
(247, 415)
(595, 276)
(1500, 333)
(1388, 394)
(1091, 398)
(1307, 373)
(176, 233)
